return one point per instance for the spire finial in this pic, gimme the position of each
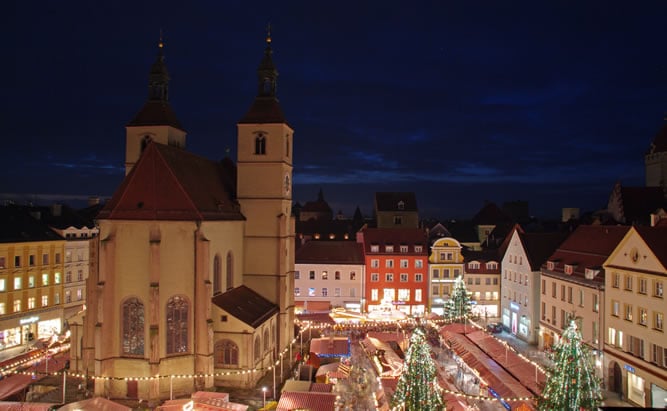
(160, 44)
(268, 34)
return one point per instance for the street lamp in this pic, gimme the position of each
(264, 393)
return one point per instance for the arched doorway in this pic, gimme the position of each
(615, 378)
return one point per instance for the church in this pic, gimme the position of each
(194, 283)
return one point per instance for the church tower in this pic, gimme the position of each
(156, 121)
(264, 191)
(655, 160)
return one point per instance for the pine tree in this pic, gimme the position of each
(417, 387)
(572, 384)
(458, 305)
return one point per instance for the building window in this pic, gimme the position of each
(337, 275)
(375, 277)
(398, 220)
(375, 263)
(657, 288)
(615, 308)
(418, 278)
(31, 260)
(17, 283)
(31, 303)
(325, 291)
(17, 306)
(389, 277)
(596, 303)
(353, 292)
(311, 291)
(45, 279)
(45, 300)
(615, 280)
(436, 290)
(68, 296)
(418, 249)
(260, 144)
(404, 248)
(643, 286)
(56, 277)
(297, 291)
(266, 339)
(311, 275)
(403, 294)
(418, 295)
(544, 287)
(404, 263)
(492, 265)
(229, 270)
(628, 312)
(404, 277)
(177, 325)
(31, 281)
(45, 259)
(389, 248)
(337, 292)
(57, 258)
(495, 280)
(389, 263)
(374, 294)
(553, 290)
(79, 294)
(375, 248)
(445, 273)
(436, 273)
(658, 321)
(474, 265)
(353, 275)
(226, 354)
(68, 277)
(419, 264)
(628, 283)
(569, 295)
(487, 281)
(56, 298)
(17, 261)
(2, 263)
(477, 281)
(133, 327)
(258, 348)
(325, 275)
(643, 316)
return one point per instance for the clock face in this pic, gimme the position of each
(288, 186)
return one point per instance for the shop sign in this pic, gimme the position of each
(514, 306)
(629, 368)
(28, 320)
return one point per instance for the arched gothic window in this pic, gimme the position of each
(144, 142)
(177, 325)
(266, 340)
(226, 354)
(217, 275)
(257, 348)
(230, 271)
(133, 327)
(260, 144)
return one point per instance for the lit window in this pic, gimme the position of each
(297, 291)
(56, 278)
(17, 306)
(177, 325)
(311, 291)
(374, 294)
(3, 309)
(17, 283)
(45, 279)
(45, 300)
(643, 316)
(404, 263)
(31, 303)
(389, 264)
(133, 327)
(389, 249)
(375, 263)
(3, 284)
(419, 263)
(657, 288)
(418, 295)
(31, 281)
(658, 320)
(325, 291)
(325, 275)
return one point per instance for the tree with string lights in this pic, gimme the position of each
(458, 305)
(572, 384)
(417, 387)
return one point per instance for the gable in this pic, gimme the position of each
(634, 253)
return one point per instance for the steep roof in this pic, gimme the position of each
(659, 144)
(246, 305)
(656, 239)
(587, 247)
(490, 214)
(539, 246)
(156, 113)
(264, 111)
(389, 201)
(330, 252)
(19, 226)
(169, 183)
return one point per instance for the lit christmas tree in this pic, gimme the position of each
(572, 385)
(458, 305)
(417, 388)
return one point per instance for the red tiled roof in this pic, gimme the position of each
(330, 252)
(587, 247)
(321, 387)
(395, 237)
(246, 305)
(156, 113)
(656, 239)
(330, 346)
(169, 183)
(312, 401)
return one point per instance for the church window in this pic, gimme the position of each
(257, 348)
(133, 327)
(226, 353)
(260, 144)
(217, 275)
(144, 142)
(230, 271)
(266, 340)
(177, 325)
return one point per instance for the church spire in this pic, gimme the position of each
(267, 74)
(158, 79)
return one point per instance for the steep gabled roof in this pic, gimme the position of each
(264, 111)
(246, 305)
(169, 183)
(389, 201)
(539, 246)
(156, 113)
(491, 214)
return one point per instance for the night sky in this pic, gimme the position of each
(461, 102)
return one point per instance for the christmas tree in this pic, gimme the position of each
(458, 305)
(572, 385)
(417, 387)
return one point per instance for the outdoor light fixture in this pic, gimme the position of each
(264, 393)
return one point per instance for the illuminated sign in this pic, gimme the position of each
(514, 306)
(28, 320)
(629, 368)
(504, 403)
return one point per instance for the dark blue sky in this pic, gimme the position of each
(461, 102)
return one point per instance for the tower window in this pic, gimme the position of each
(260, 144)
(144, 142)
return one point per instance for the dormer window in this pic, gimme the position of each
(551, 265)
(375, 248)
(418, 249)
(492, 265)
(389, 249)
(404, 248)
(400, 205)
(591, 273)
(569, 268)
(474, 265)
